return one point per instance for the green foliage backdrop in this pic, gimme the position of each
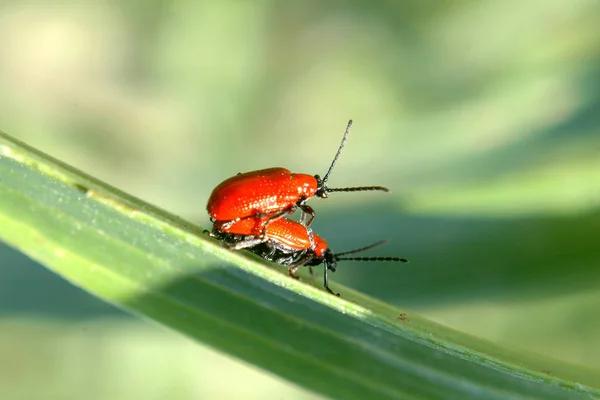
(482, 117)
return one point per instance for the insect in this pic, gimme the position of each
(269, 194)
(289, 243)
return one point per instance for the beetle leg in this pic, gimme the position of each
(291, 272)
(313, 246)
(311, 239)
(294, 267)
(306, 209)
(272, 218)
(228, 224)
(266, 219)
(326, 280)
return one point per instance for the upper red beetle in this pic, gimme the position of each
(288, 243)
(271, 193)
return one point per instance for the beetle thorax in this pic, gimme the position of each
(307, 185)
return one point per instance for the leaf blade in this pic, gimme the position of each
(154, 264)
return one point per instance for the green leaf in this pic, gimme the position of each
(154, 264)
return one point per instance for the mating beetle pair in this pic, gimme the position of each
(248, 212)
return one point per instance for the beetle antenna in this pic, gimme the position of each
(330, 261)
(323, 191)
(359, 189)
(360, 250)
(339, 151)
(389, 259)
(338, 256)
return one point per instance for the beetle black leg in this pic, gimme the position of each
(326, 281)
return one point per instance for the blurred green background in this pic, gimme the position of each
(483, 117)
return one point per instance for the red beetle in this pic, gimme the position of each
(269, 194)
(290, 243)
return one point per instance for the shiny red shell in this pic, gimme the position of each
(290, 233)
(266, 191)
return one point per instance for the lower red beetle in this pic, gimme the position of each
(271, 193)
(289, 243)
